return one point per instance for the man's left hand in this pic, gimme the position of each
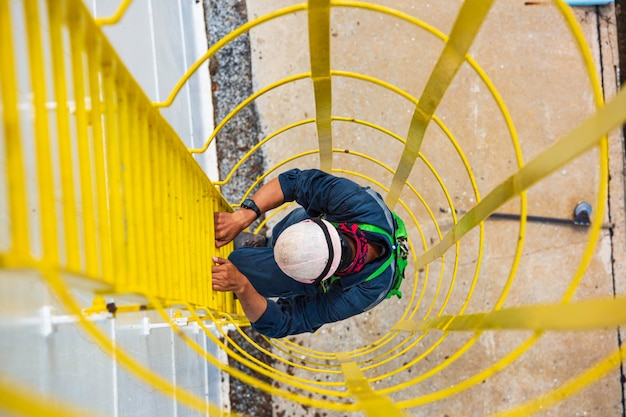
(226, 276)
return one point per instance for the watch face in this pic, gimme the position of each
(250, 204)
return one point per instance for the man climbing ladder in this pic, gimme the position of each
(337, 256)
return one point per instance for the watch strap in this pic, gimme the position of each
(251, 205)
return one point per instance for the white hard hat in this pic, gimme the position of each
(309, 250)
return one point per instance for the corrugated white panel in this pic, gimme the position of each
(158, 41)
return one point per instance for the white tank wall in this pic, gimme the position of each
(42, 347)
(159, 40)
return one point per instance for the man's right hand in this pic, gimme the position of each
(226, 277)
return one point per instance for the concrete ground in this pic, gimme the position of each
(528, 53)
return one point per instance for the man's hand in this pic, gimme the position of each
(228, 225)
(226, 277)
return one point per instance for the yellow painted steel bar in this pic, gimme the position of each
(579, 315)
(238, 108)
(137, 207)
(208, 243)
(79, 46)
(372, 404)
(189, 205)
(207, 239)
(219, 299)
(14, 169)
(221, 43)
(182, 257)
(115, 206)
(160, 210)
(115, 17)
(43, 150)
(128, 233)
(45, 177)
(152, 263)
(466, 26)
(101, 191)
(319, 49)
(170, 280)
(113, 172)
(203, 242)
(69, 212)
(576, 142)
(183, 225)
(143, 218)
(195, 228)
(180, 252)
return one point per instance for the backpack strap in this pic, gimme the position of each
(393, 261)
(397, 268)
(379, 230)
(390, 262)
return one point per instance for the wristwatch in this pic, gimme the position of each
(251, 205)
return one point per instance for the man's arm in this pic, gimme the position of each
(228, 225)
(226, 277)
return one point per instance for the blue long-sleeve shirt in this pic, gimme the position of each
(301, 307)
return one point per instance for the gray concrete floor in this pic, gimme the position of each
(529, 54)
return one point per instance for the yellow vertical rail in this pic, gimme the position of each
(319, 47)
(141, 196)
(126, 185)
(466, 26)
(45, 176)
(159, 208)
(94, 57)
(194, 243)
(203, 242)
(15, 170)
(185, 190)
(55, 19)
(372, 404)
(178, 286)
(115, 210)
(115, 17)
(79, 47)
